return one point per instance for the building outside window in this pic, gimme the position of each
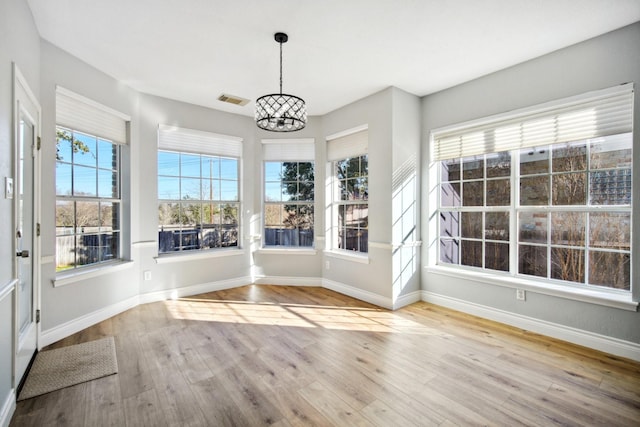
(554, 212)
(88, 211)
(288, 204)
(198, 193)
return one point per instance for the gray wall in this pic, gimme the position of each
(605, 61)
(19, 44)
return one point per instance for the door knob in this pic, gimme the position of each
(23, 254)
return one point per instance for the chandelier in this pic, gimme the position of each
(280, 112)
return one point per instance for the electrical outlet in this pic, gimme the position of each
(147, 275)
(521, 294)
(327, 265)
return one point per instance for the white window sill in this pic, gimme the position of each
(197, 255)
(613, 299)
(277, 250)
(349, 256)
(76, 275)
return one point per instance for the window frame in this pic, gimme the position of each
(580, 291)
(75, 199)
(180, 248)
(283, 203)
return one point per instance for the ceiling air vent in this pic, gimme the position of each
(232, 99)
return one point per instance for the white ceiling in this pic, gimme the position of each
(338, 50)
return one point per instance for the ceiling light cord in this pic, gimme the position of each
(280, 68)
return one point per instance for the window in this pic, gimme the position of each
(549, 211)
(350, 192)
(88, 181)
(288, 204)
(198, 193)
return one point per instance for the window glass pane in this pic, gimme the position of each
(496, 256)
(471, 253)
(496, 226)
(190, 189)
(272, 171)
(611, 269)
(532, 260)
(449, 251)
(569, 189)
(290, 190)
(84, 181)
(611, 152)
(273, 192)
(63, 145)
(567, 228)
(63, 179)
(473, 193)
(306, 171)
(84, 150)
(273, 215)
(168, 188)
(229, 169)
(498, 164)
(473, 167)
(107, 183)
(534, 161)
(450, 194)
(533, 227)
(189, 165)
(109, 218)
(168, 163)
(567, 264)
(472, 225)
(208, 190)
(499, 192)
(107, 155)
(610, 230)
(190, 215)
(228, 190)
(449, 224)
(534, 191)
(611, 187)
(569, 157)
(65, 217)
(450, 170)
(65, 252)
(87, 217)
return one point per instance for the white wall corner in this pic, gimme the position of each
(358, 293)
(581, 337)
(288, 281)
(66, 329)
(8, 408)
(404, 300)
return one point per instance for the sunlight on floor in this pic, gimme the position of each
(295, 315)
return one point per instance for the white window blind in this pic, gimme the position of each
(595, 114)
(185, 140)
(76, 112)
(351, 145)
(292, 150)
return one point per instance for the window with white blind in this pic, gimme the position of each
(288, 192)
(198, 190)
(542, 193)
(349, 191)
(88, 212)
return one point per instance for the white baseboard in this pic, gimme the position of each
(288, 281)
(407, 299)
(358, 293)
(187, 291)
(59, 332)
(8, 408)
(581, 337)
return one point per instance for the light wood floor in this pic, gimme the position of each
(292, 356)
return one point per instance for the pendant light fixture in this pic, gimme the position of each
(281, 112)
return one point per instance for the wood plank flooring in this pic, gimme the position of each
(293, 356)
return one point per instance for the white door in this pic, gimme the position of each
(26, 136)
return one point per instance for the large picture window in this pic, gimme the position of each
(549, 211)
(198, 192)
(89, 141)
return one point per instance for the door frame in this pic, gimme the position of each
(25, 102)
